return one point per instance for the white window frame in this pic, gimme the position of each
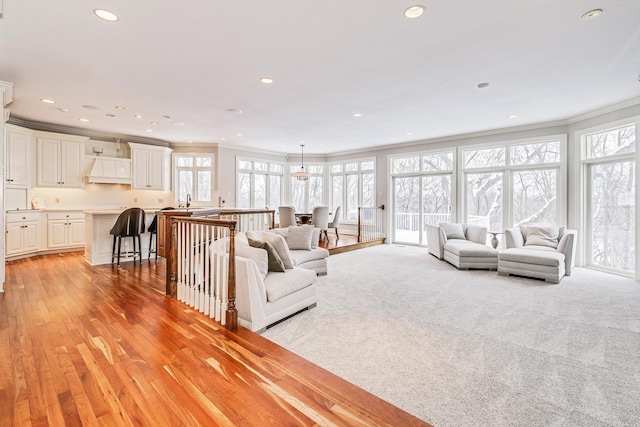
(268, 173)
(420, 173)
(584, 227)
(344, 173)
(507, 174)
(181, 199)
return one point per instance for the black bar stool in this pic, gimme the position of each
(130, 223)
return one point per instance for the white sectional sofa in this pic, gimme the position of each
(265, 296)
(462, 245)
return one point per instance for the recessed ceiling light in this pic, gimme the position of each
(137, 116)
(153, 123)
(149, 130)
(48, 101)
(90, 107)
(592, 14)
(238, 134)
(266, 80)
(283, 145)
(105, 14)
(84, 120)
(222, 138)
(513, 116)
(357, 114)
(63, 110)
(234, 110)
(111, 115)
(483, 85)
(119, 107)
(408, 133)
(177, 123)
(414, 11)
(166, 117)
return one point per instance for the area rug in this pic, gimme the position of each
(472, 348)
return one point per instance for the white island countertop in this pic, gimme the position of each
(98, 241)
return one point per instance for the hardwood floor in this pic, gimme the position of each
(345, 243)
(82, 345)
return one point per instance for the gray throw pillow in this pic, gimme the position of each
(274, 262)
(453, 230)
(299, 237)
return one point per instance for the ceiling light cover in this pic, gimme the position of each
(266, 80)
(106, 15)
(592, 14)
(47, 101)
(357, 114)
(301, 175)
(414, 11)
(483, 85)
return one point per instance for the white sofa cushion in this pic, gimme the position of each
(542, 235)
(259, 256)
(279, 285)
(300, 237)
(453, 230)
(465, 248)
(530, 256)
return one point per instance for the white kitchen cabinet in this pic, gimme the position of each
(65, 229)
(23, 232)
(150, 167)
(60, 160)
(18, 156)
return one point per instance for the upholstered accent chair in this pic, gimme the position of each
(320, 219)
(542, 251)
(462, 245)
(336, 221)
(287, 216)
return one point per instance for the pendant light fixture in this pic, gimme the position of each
(301, 175)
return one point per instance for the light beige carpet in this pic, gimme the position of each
(471, 348)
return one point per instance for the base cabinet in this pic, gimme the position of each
(65, 230)
(22, 233)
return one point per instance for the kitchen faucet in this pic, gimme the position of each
(188, 199)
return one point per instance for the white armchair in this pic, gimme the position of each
(287, 216)
(543, 251)
(462, 245)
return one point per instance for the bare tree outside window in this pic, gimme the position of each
(611, 205)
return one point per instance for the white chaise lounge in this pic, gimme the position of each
(463, 246)
(542, 251)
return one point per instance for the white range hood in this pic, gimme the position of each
(110, 171)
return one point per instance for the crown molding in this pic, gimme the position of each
(95, 135)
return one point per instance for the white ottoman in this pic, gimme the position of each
(465, 254)
(541, 264)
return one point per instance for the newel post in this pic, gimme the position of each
(232, 312)
(171, 251)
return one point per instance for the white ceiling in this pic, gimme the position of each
(196, 59)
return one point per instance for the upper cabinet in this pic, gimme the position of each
(60, 160)
(150, 167)
(19, 142)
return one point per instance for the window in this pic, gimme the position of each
(609, 163)
(259, 184)
(352, 186)
(422, 194)
(193, 178)
(513, 183)
(305, 194)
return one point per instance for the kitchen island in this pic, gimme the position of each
(99, 243)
